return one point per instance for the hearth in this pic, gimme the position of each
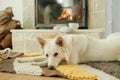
(49, 13)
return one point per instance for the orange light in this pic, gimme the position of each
(70, 18)
(79, 17)
(65, 14)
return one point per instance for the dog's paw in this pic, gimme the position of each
(34, 63)
(42, 64)
(20, 61)
(40, 59)
(37, 64)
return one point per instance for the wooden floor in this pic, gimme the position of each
(8, 76)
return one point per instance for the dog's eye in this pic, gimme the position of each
(46, 55)
(55, 54)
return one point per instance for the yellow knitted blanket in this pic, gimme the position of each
(75, 72)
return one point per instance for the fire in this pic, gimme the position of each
(68, 16)
(79, 15)
(65, 14)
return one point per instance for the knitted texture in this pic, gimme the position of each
(27, 68)
(75, 72)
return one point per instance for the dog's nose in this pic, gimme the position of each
(51, 67)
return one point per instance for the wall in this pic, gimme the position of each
(108, 28)
(17, 8)
(113, 16)
(116, 16)
(96, 14)
(28, 14)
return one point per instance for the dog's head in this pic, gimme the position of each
(53, 50)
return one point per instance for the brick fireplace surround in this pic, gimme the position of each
(25, 39)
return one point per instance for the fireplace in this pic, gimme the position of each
(49, 13)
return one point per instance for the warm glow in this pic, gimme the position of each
(70, 18)
(65, 14)
(79, 15)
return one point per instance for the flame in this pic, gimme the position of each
(65, 14)
(70, 18)
(79, 15)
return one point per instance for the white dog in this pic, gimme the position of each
(80, 48)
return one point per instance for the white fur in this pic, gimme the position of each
(38, 60)
(82, 48)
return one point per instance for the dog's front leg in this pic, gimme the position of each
(27, 59)
(43, 63)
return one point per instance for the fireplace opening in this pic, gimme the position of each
(49, 13)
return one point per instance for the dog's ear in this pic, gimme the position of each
(60, 41)
(41, 41)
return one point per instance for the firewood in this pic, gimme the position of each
(6, 15)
